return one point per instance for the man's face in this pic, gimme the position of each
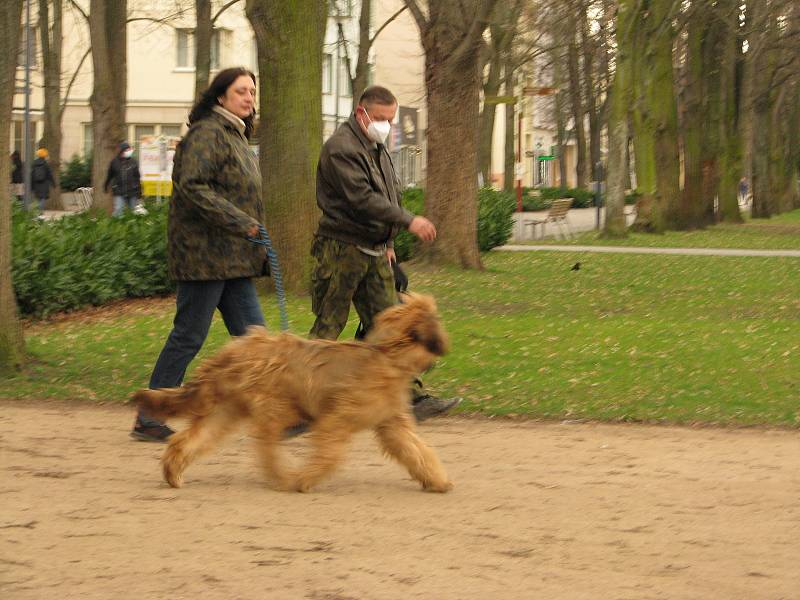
(376, 112)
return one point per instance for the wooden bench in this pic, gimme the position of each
(556, 215)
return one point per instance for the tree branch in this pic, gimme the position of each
(419, 17)
(222, 10)
(478, 26)
(77, 7)
(71, 81)
(389, 20)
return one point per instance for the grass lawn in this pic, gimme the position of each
(680, 339)
(778, 233)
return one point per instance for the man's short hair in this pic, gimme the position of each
(376, 94)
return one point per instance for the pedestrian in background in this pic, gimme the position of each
(123, 175)
(41, 178)
(17, 177)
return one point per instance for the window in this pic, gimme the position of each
(345, 85)
(186, 48)
(171, 130)
(19, 135)
(327, 73)
(340, 8)
(140, 131)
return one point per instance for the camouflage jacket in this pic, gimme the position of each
(357, 190)
(216, 199)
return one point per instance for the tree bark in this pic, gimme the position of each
(108, 32)
(578, 112)
(289, 39)
(491, 87)
(452, 36)
(202, 46)
(12, 342)
(621, 97)
(50, 33)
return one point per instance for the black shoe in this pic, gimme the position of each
(427, 406)
(296, 430)
(151, 433)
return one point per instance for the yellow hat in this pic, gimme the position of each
(42, 153)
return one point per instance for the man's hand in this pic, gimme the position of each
(423, 229)
(391, 256)
(253, 232)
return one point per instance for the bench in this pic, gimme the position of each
(84, 197)
(556, 215)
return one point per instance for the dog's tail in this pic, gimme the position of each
(174, 402)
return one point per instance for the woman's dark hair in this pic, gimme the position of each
(16, 160)
(208, 99)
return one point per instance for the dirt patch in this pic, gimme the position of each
(539, 510)
(106, 313)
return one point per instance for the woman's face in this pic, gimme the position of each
(240, 97)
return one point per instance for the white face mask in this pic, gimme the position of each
(377, 131)
(127, 153)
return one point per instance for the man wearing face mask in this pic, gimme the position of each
(358, 193)
(123, 175)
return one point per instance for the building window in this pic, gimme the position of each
(186, 48)
(171, 130)
(139, 132)
(340, 8)
(19, 135)
(345, 84)
(327, 73)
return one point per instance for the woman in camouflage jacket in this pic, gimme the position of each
(215, 206)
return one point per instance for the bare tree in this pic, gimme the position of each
(12, 343)
(452, 37)
(203, 36)
(51, 37)
(108, 31)
(289, 39)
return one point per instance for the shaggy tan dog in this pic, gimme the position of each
(275, 381)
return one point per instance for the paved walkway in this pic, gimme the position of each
(635, 250)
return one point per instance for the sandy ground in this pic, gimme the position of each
(540, 510)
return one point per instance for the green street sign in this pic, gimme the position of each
(547, 157)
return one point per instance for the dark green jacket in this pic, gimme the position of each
(357, 193)
(216, 199)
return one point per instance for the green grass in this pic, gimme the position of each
(778, 233)
(679, 339)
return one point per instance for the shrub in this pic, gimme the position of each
(581, 198)
(88, 259)
(495, 220)
(76, 173)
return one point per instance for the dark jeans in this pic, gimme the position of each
(196, 302)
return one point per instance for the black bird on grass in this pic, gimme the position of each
(576, 267)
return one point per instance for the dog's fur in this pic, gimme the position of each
(275, 381)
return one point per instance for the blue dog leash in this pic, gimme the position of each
(263, 239)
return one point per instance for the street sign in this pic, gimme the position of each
(547, 157)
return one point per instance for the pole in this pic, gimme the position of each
(26, 136)
(339, 36)
(519, 159)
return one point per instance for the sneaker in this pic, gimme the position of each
(151, 433)
(295, 430)
(427, 406)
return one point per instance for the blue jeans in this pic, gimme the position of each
(121, 203)
(196, 302)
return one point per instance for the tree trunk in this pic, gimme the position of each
(561, 137)
(51, 44)
(621, 96)
(364, 44)
(107, 29)
(509, 153)
(578, 112)
(491, 87)
(289, 40)
(12, 342)
(202, 46)
(452, 36)
(590, 78)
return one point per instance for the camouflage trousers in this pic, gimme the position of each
(342, 275)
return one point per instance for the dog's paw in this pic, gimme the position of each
(174, 479)
(439, 488)
(301, 485)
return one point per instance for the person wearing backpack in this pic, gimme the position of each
(41, 178)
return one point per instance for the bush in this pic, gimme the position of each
(580, 198)
(76, 173)
(88, 259)
(495, 220)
